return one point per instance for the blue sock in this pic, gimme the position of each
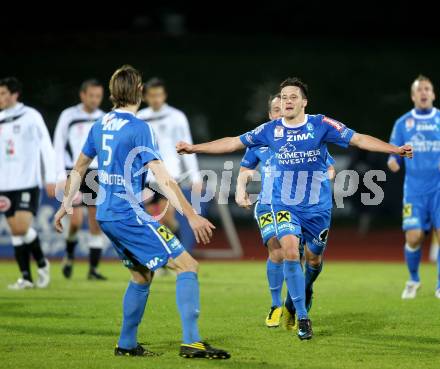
(288, 303)
(413, 258)
(295, 281)
(311, 274)
(188, 303)
(438, 269)
(135, 299)
(275, 278)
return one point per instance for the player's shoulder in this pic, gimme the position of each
(405, 119)
(29, 110)
(322, 120)
(178, 115)
(144, 113)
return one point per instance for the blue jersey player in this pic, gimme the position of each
(125, 149)
(420, 127)
(262, 156)
(301, 197)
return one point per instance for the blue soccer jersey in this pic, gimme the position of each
(300, 159)
(123, 145)
(259, 156)
(422, 131)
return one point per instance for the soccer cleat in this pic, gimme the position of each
(137, 351)
(305, 331)
(67, 268)
(202, 350)
(274, 317)
(289, 321)
(437, 293)
(43, 276)
(95, 276)
(309, 299)
(410, 290)
(21, 284)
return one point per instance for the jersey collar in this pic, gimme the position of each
(124, 111)
(424, 116)
(13, 109)
(306, 118)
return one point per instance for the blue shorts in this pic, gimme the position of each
(264, 217)
(137, 242)
(421, 212)
(311, 227)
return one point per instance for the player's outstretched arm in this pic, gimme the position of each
(201, 227)
(72, 187)
(241, 195)
(370, 143)
(221, 146)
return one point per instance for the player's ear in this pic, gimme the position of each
(305, 101)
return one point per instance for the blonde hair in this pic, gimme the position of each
(125, 87)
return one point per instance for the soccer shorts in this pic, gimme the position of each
(264, 217)
(21, 200)
(421, 212)
(311, 227)
(141, 243)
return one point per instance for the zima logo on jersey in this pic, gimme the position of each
(153, 263)
(165, 233)
(265, 219)
(300, 137)
(425, 126)
(111, 123)
(409, 124)
(278, 132)
(334, 123)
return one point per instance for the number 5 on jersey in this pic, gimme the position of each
(107, 148)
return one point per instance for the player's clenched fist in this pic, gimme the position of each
(406, 151)
(202, 228)
(184, 148)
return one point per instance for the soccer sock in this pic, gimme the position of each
(288, 303)
(22, 256)
(135, 299)
(71, 243)
(32, 240)
(311, 274)
(413, 257)
(438, 270)
(188, 303)
(295, 281)
(96, 244)
(275, 278)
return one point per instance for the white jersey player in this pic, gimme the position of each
(71, 133)
(24, 144)
(170, 125)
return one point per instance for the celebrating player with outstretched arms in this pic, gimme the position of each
(301, 200)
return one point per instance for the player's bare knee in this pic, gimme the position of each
(276, 255)
(414, 239)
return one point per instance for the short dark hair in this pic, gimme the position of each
(12, 84)
(294, 81)
(153, 83)
(272, 98)
(125, 87)
(92, 82)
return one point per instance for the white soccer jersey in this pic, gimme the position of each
(24, 144)
(70, 135)
(171, 126)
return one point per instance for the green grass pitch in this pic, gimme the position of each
(358, 317)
